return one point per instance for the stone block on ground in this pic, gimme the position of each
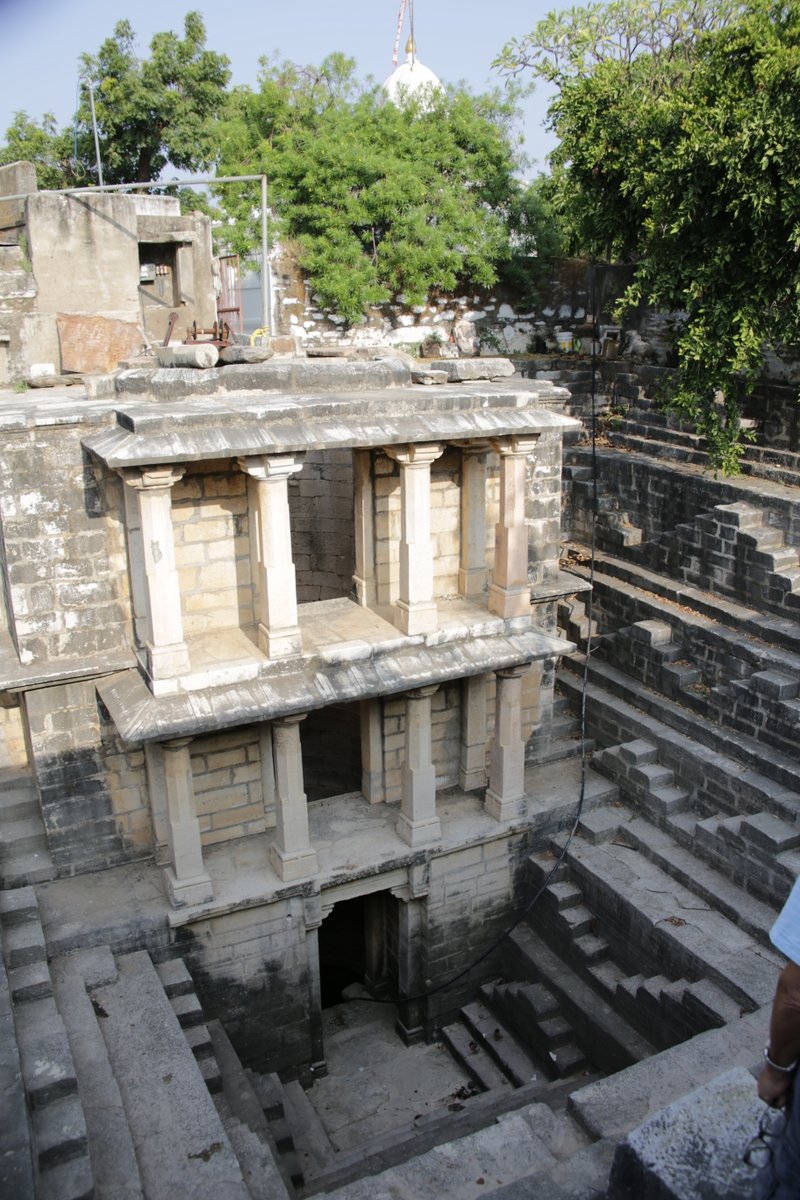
(202, 354)
(692, 1149)
(464, 370)
(245, 354)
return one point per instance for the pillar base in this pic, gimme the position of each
(504, 809)
(416, 617)
(411, 1035)
(289, 867)
(183, 892)
(165, 665)
(510, 602)
(472, 581)
(419, 833)
(472, 780)
(280, 643)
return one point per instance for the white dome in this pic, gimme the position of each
(409, 79)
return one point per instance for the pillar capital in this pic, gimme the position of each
(177, 743)
(269, 467)
(415, 454)
(421, 693)
(290, 719)
(153, 478)
(515, 672)
(516, 446)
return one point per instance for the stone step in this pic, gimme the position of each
(735, 763)
(175, 977)
(609, 1108)
(182, 1146)
(23, 943)
(48, 1070)
(109, 1142)
(637, 901)
(22, 836)
(18, 800)
(503, 1047)
(15, 1134)
(607, 1039)
(19, 904)
(707, 883)
(476, 1061)
(238, 1099)
(256, 1161)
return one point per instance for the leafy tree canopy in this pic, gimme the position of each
(680, 151)
(380, 200)
(149, 112)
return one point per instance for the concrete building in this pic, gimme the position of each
(90, 280)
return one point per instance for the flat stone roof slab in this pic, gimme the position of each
(299, 686)
(205, 428)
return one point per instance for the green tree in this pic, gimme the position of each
(680, 151)
(380, 200)
(150, 112)
(40, 143)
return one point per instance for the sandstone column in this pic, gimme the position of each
(152, 552)
(313, 915)
(372, 779)
(416, 610)
(506, 791)
(472, 770)
(278, 631)
(418, 824)
(509, 595)
(364, 577)
(472, 569)
(186, 880)
(411, 1013)
(291, 854)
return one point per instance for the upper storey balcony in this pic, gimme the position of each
(273, 540)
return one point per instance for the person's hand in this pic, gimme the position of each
(774, 1087)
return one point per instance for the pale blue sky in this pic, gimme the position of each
(41, 40)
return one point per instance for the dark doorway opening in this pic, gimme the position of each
(355, 946)
(342, 950)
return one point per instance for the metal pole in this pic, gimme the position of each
(266, 290)
(94, 130)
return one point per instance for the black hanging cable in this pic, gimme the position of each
(525, 911)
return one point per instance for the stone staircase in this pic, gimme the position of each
(24, 855)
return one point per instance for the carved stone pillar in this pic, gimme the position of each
(416, 610)
(506, 792)
(472, 568)
(151, 546)
(186, 880)
(418, 824)
(509, 595)
(472, 770)
(364, 577)
(278, 631)
(410, 948)
(313, 915)
(291, 854)
(372, 776)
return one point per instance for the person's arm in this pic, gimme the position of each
(784, 1038)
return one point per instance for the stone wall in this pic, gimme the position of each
(251, 968)
(212, 547)
(323, 533)
(229, 797)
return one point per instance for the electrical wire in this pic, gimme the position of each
(537, 895)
